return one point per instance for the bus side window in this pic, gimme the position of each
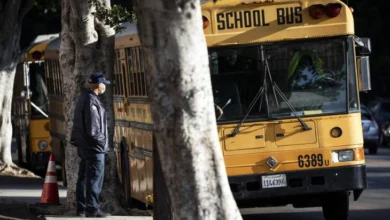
(142, 73)
(213, 62)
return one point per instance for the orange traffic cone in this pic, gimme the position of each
(50, 187)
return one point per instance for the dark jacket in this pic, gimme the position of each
(89, 132)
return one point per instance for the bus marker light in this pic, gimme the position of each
(205, 22)
(36, 55)
(47, 126)
(333, 9)
(336, 132)
(359, 153)
(317, 11)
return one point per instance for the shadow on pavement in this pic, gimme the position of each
(11, 182)
(15, 211)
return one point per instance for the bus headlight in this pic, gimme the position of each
(42, 145)
(343, 156)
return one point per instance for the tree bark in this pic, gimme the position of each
(162, 205)
(12, 13)
(182, 109)
(87, 46)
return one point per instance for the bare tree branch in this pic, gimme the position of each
(24, 8)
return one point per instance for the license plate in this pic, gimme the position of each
(274, 181)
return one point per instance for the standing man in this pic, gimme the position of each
(89, 135)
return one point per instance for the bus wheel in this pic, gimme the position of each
(335, 206)
(125, 173)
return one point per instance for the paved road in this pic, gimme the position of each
(374, 203)
(28, 190)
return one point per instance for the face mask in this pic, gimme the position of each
(103, 90)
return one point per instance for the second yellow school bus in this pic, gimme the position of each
(30, 108)
(286, 77)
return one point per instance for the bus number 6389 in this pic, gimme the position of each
(313, 160)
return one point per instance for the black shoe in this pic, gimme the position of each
(80, 213)
(98, 214)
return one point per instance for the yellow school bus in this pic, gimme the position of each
(56, 104)
(286, 76)
(30, 109)
(133, 137)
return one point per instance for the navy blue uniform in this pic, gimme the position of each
(89, 135)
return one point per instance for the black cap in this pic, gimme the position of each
(97, 78)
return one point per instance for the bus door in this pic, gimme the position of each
(20, 115)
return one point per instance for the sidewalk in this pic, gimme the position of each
(17, 194)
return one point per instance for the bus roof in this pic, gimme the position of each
(52, 49)
(35, 51)
(233, 22)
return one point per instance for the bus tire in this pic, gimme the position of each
(335, 206)
(125, 173)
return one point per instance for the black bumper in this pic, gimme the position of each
(41, 158)
(301, 183)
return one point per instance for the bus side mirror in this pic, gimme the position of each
(363, 45)
(363, 72)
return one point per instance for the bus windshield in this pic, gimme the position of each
(312, 76)
(38, 89)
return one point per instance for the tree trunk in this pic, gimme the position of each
(87, 46)
(12, 13)
(162, 205)
(182, 109)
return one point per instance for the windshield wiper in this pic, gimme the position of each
(39, 110)
(276, 88)
(262, 92)
(237, 128)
